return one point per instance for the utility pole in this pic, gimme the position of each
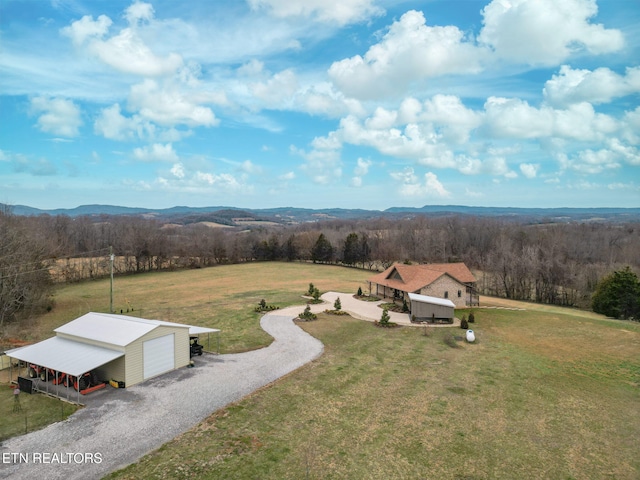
(111, 256)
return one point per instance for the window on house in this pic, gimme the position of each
(459, 293)
(446, 294)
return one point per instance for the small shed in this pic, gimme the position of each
(425, 308)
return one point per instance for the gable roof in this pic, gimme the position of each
(119, 330)
(411, 278)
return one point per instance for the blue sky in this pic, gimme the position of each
(320, 103)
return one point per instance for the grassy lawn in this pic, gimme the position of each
(37, 411)
(542, 394)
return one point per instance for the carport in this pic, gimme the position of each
(63, 357)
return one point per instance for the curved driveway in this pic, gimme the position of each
(121, 426)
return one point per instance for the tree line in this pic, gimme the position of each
(556, 263)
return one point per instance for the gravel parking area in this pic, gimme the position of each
(117, 427)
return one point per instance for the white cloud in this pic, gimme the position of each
(113, 125)
(276, 91)
(288, 176)
(515, 118)
(598, 86)
(409, 51)
(412, 186)
(456, 120)
(168, 105)
(249, 167)
(80, 30)
(57, 116)
(181, 178)
(139, 11)
(362, 168)
(530, 170)
(545, 32)
(590, 162)
(341, 12)
(178, 170)
(156, 153)
(323, 165)
(126, 51)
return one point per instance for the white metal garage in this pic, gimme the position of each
(114, 347)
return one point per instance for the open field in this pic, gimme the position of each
(544, 393)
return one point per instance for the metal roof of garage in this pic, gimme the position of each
(433, 300)
(118, 330)
(63, 355)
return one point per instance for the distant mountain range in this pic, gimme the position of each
(288, 215)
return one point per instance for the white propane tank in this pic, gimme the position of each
(471, 337)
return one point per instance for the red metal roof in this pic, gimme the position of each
(412, 278)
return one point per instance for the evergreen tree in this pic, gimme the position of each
(384, 320)
(351, 251)
(618, 295)
(337, 305)
(322, 251)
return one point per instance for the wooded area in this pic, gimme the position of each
(556, 263)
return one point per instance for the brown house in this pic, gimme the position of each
(452, 281)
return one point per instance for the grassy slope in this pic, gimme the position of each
(546, 393)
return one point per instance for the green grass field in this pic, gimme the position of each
(543, 393)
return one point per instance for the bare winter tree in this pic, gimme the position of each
(25, 284)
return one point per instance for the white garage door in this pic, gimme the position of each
(158, 355)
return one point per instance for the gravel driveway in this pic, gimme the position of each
(117, 427)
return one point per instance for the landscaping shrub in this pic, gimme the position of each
(463, 323)
(311, 290)
(359, 294)
(384, 320)
(472, 318)
(307, 315)
(337, 305)
(263, 307)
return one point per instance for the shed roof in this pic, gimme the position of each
(411, 278)
(433, 300)
(119, 330)
(63, 355)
